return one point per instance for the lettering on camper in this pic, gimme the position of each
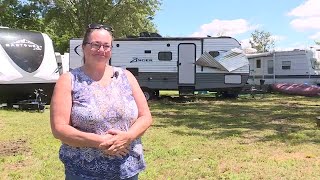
(135, 59)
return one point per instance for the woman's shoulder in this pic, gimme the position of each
(68, 76)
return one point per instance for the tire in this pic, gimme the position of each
(227, 94)
(147, 95)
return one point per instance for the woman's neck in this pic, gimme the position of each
(95, 71)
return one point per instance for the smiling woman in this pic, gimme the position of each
(99, 119)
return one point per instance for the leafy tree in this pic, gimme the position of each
(317, 42)
(23, 14)
(69, 19)
(261, 41)
(63, 20)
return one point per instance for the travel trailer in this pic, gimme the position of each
(186, 64)
(296, 67)
(28, 63)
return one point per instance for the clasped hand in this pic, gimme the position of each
(117, 143)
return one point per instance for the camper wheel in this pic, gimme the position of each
(148, 93)
(227, 94)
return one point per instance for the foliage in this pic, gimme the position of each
(127, 17)
(317, 42)
(261, 41)
(63, 20)
(23, 14)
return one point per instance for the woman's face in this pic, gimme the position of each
(98, 47)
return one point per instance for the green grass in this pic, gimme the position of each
(274, 137)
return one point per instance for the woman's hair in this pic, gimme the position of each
(90, 29)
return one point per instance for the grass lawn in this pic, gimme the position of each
(274, 137)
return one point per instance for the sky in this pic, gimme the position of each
(293, 24)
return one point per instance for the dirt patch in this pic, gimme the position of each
(13, 148)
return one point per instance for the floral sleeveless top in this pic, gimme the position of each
(97, 109)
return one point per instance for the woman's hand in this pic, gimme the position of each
(118, 144)
(106, 141)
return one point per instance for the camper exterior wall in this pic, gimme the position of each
(300, 71)
(27, 63)
(221, 45)
(47, 71)
(157, 74)
(141, 55)
(132, 54)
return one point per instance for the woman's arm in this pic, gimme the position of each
(121, 139)
(144, 120)
(60, 110)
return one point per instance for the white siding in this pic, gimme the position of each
(127, 50)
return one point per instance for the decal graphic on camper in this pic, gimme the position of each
(76, 50)
(135, 59)
(25, 49)
(24, 43)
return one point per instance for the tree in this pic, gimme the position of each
(23, 14)
(63, 20)
(261, 41)
(317, 42)
(69, 19)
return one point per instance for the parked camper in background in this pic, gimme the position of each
(63, 62)
(163, 63)
(296, 66)
(27, 63)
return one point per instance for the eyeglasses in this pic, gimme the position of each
(97, 46)
(99, 26)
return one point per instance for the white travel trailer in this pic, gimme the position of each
(27, 63)
(166, 63)
(296, 66)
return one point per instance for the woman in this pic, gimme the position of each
(99, 113)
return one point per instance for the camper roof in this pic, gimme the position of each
(255, 55)
(133, 38)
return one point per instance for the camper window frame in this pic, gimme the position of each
(163, 56)
(285, 66)
(258, 65)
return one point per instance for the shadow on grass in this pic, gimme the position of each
(280, 118)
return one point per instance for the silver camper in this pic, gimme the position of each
(296, 66)
(27, 63)
(186, 64)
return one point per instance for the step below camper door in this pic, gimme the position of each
(186, 63)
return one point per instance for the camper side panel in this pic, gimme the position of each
(156, 62)
(210, 78)
(283, 67)
(27, 63)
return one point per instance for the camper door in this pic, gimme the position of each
(186, 63)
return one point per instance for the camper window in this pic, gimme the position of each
(165, 56)
(286, 64)
(258, 65)
(214, 53)
(270, 66)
